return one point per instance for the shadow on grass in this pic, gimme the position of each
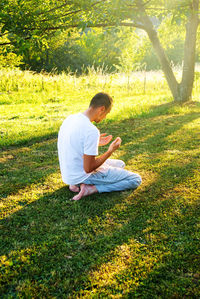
(32, 162)
(28, 142)
(25, 165)
(166, 265)
(52, 246)
(155, 135)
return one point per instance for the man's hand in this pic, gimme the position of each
(115, 144)
(104, 139)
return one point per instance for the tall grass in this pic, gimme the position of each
(39, 102)
(40, 85)
(43, 87)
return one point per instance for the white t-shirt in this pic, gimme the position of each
(77, 136)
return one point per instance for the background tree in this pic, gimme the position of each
(144, 15)
(28, 21)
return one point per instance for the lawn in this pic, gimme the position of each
(143, 243)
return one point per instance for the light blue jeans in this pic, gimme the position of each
(111, 176)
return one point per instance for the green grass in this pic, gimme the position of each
(127, 244)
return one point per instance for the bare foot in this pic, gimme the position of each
(85, 190)
(74, 188)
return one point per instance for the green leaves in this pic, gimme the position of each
(21, 18)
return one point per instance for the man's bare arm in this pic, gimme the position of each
(91, 163)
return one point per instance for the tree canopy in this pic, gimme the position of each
(22, 20)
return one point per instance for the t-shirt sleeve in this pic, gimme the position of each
(91, 142)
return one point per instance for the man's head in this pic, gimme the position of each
(102, 104)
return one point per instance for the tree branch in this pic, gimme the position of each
(100, 25)
(76, 11)
(55, 8)
(4, 44)
(103, 25)
(3, 34)
(67, 14)
(64, 15)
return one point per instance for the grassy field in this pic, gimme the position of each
(140, 244)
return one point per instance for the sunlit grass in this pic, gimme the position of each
(43, 101)
(119, 245)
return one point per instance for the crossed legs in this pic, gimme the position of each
(109, 177)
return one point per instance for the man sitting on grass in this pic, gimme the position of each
(78, 142)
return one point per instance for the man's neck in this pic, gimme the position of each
(90, 114)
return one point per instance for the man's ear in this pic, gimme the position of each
(102, 109)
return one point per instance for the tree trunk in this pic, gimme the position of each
(181, 92)
(165, 64)
(186, 85)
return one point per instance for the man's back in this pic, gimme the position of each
(77, 136)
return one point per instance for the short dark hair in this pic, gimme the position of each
(101, 99)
